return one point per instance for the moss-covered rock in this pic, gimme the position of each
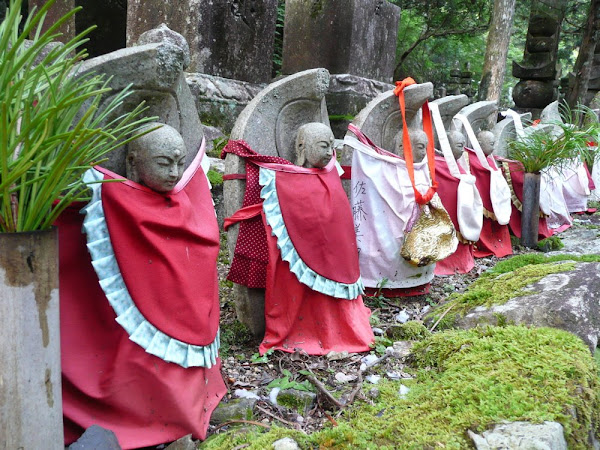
(413, 330)
(465, 380)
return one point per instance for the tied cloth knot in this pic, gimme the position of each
(408, 155)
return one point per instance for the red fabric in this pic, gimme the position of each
(249, 264)
(516, 180)
(322, 228)
(399, 292)
(110, 381)
(408, 156)
(167, 246)
(494, 238)
(591, 184)
(249, 212)
(296, 317)
(347, 175)
(462, 260)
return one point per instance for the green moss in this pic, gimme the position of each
(550, 244)
(237, 334)
(340, 117)
(413, 330)
(466, 380)
(215, 178)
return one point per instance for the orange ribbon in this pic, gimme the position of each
(408, 154)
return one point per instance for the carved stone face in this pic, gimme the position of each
(157, 159)
(418, 142)
(486, 140)
(314, 145)
(457, 143)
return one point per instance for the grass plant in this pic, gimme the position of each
(53, 126)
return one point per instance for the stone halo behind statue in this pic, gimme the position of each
(157, 159)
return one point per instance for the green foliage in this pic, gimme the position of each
(413, 330)
(215, 178)
(51, 126)
(542, 149)
(217, 147)
(237, 334)
(288, 381)
(465, 380)
(381, 343)
(256, 358)
(277, 59)
(550, 244)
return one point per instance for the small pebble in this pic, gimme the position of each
(403, 391)
(402, 316)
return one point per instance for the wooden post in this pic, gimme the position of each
(30, 376)
(530, 215)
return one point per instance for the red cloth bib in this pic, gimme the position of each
(166, 246)
(318, 219)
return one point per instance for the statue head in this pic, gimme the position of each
(314, 145)
(157, 159)
(457, 143)
(486, 139)
(418, 141)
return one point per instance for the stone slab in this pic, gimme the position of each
(315, 29)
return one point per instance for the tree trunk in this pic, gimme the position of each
(496, 50)
(585, 59)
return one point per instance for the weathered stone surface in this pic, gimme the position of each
(449, 106)
(156, 75)
(184, 443)
(110, 18)
(566, 300)
(220, 101)
(301, 401)
(481, 115)
(269, 125)
(285, 444)
(381, 119)
(522, 436)
(163, 33)
(347, 96)
(59, 9)
(315, 29)
(228, 38)
(534, 93)
(505, 132)
(235, 409)
(96, 438)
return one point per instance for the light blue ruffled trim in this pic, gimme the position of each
(129, 316)
(298, 267)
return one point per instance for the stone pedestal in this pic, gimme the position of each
(227, 38)
(343, 36)
(30, 376)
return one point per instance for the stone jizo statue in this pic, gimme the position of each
(418, 141)
(157, 159)
(486, 139)
(457, 143)
(314, 145)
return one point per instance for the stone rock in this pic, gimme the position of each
(582, 240)
(269, 124)
(521, 436)
(347, 96)
(400, 349)
(163, 33)
(534, 93)
(184, 443)
(368, 29)
(285, 444)
(505, 132)
(235, 409)
(300, 401)
(481, 115)
(449, 106)
(220, 100)
(566, 300)
(230, 39)
(155, 72)
(96, 438)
